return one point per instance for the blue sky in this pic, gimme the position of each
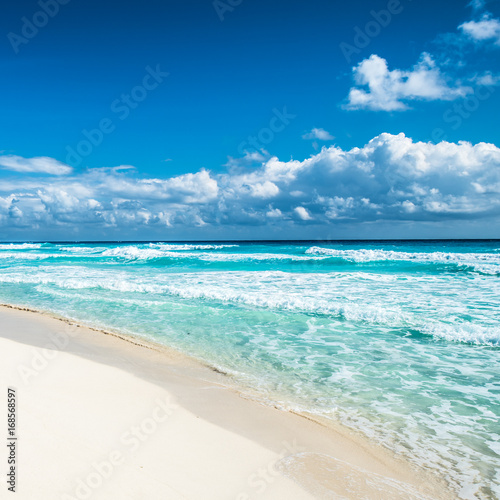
(206, 120)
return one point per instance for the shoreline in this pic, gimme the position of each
(236, 435)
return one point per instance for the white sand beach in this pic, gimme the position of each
(102, 417)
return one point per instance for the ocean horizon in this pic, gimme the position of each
(397, 339)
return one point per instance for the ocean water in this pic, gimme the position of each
(398, 340)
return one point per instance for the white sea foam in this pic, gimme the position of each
(470, 333)
(248, 289)
(482, 262)
(133, 252)
(164, 250)
(336, 295)
(82, 250)
(25, 256)
(188, 246)
(20, 246)
(138, 253)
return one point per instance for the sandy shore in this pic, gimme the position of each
(101, 417)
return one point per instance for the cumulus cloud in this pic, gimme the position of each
(318, 134)
(40, 164)
(380, 89)
(486, 79)
(484, 30)
(302, 213)
(185, 189)
(391, 178)
(274, 213)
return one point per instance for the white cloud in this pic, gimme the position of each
(391, 90)
(486, 79)
(41, 164)
(486, 29)
(265, 189)
(392, 178)
(477, 4)
(274, 213)
(302, 213)
(188, 188)
(319, 134)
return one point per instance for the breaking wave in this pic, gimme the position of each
(486, 263)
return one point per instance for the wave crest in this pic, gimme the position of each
(20, 246)
(485, 263)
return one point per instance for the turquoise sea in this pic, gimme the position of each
(399, 340)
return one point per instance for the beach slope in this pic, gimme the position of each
(102, 417)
